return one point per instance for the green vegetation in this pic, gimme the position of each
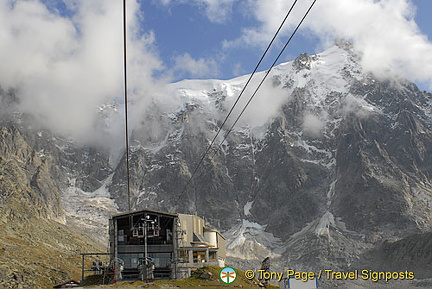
(36, 249)
(207, 277)
(39, 253)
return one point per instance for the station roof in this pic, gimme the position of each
(143, 212)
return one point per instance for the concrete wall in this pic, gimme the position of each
(187, 224)
(211, 237)
(190, 224)
(221, 245)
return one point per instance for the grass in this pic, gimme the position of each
(195, 281)
(40, 253)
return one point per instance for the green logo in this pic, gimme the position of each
(228, 275)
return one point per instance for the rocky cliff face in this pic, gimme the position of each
(340, 165)
(412, 252)
(328, 162)
(26, 180)
(37, 248)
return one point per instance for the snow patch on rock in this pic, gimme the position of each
(90, 210)
(249, 241)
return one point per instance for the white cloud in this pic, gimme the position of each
(384, 31)
(269, 15)
(196, 67)
(64, 68)
(314, 125)
(217, 10)
(265, 105)
(165, 2)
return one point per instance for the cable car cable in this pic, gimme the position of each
(265, 76)
(235, 103)
(126, 103)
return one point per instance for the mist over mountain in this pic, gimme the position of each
(329, 163)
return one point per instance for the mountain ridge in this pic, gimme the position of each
(327, 162)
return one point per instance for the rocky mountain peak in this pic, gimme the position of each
(328, 159)
(303, 62)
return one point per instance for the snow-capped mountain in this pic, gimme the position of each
(327, 162)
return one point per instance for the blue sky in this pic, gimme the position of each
(225, 38)
(184, 28)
